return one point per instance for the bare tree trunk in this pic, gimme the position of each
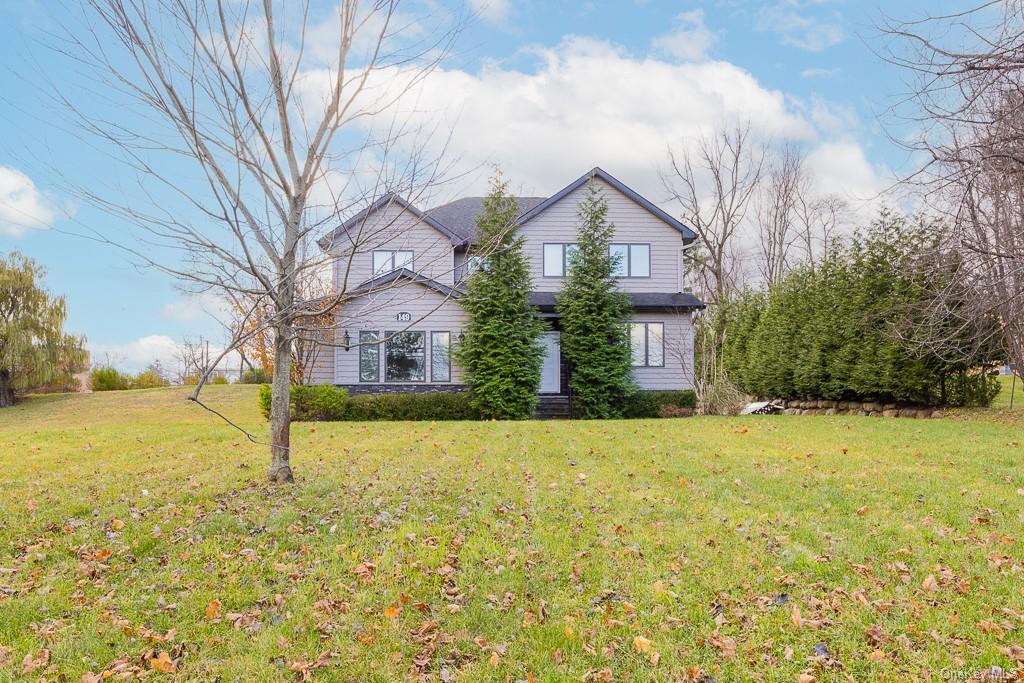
(6, 390)
(280, 471)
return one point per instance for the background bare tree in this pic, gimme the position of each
(777, 212)
(714, 186)
(247, 138)
(966, 93)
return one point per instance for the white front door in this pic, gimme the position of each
(550, 372)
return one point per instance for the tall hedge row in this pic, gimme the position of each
(846, 329)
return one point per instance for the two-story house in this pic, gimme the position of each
(403, 268)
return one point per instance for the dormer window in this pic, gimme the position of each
(387, 260)
(632, 260)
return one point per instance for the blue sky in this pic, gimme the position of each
(544, 89)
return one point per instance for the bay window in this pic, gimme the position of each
(647, 344)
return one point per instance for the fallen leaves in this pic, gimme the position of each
(392, 611)
(930, 584)
(34, 662)
(162, 662)
(364, 571)
(306, 668)
(726, 646)
(213, 610)
(876, 635)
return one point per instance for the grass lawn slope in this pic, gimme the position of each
(137, 536)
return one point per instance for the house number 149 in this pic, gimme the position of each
(404, 317)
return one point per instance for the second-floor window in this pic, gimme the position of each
(387, 260)
(633, 260)
(558, 258)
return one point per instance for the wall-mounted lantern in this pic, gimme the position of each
(348, 341)
(462, 336)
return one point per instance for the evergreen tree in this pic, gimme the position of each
(595, 315)
(501, 353)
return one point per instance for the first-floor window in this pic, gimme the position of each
(404, 357)
(440, 357)
(647, 344)
(369, 357)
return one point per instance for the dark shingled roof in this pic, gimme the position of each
(460, 216)
(641, 301)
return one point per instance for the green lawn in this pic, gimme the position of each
(1009, 388)
(137, 533)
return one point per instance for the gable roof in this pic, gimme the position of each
(387, 200)
(460, 215)
(457, 220)
(378, 283)
(598, 172)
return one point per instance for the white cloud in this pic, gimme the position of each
(819, 73)
(797, 28)
(689, 39)
(193, 307)
(591, 103)
(135, 355)
(22, 206)
(493, 11)
(588, 103)
(842, 168)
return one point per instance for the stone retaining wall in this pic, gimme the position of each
(867, 408)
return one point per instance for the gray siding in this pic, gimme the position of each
(633, 224)
(393, 228)
(430, 311)
(678, 370)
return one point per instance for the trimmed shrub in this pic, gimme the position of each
(109, 379)
(264, 400)
(255, 376)
(648, 404)
(670, 411)
(439, 406)
(219, 379)
(847, 329)
(148, 379)
(310, 403)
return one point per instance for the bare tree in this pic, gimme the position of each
(965, 97)
(714, 186)
(817, 219)
(777, 212)
(249, 131)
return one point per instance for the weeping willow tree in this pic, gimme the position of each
(34, 349)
